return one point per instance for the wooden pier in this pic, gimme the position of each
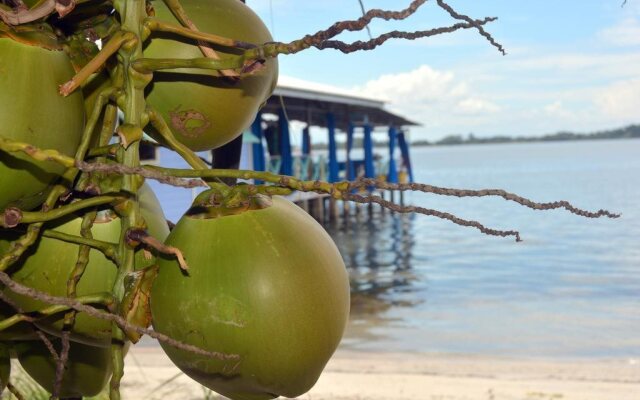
(339, 119)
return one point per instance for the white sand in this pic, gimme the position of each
(396, 376)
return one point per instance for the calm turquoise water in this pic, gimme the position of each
(571, 289)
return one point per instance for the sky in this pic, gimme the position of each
(572, 65)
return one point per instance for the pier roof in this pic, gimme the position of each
(310, 102)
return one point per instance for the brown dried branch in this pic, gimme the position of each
(364, 21)
(342, 190)
(420, 187)
(61, 362)
(120, 169)
(16, 287)
(430, 212)
(359, 45)
(345, 187)
(48, 344)
(324, 39)
(479, 27)
(364, 12)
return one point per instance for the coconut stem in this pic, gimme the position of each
(11, 217)
(156, 25)
(118, 40)
(108, 249)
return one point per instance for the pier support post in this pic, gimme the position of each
(392, 174)
(286, 166)
(369, 169)
(259, 163)
(333, 156)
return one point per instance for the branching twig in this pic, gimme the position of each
(146, 172)
(168, 176)
(340, 190)
(479, 27)
(274, 49)
(364, 21)
(378, 41)
(61, 362)
(324, 39)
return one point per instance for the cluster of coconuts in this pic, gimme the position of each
(267, 284)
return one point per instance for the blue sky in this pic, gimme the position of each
(572, 65)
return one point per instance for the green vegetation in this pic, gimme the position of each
(628, 132)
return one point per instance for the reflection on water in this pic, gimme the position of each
(378, 251)
(571, 289)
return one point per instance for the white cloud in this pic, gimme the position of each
(553, 107)
(624, 33)
(474, 105)
(620, 100)
(429, 95)
(424, 85)
(527, 97)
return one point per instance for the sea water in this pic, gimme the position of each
(570, 289)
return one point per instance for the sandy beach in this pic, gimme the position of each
(352, 375)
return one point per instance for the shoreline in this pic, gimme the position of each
(359, 375)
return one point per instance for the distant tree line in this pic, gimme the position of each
(628, 132)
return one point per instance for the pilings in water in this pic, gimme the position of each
(316, 207)
(326, 209)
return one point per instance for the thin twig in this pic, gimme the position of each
(164, 176)
(324, 39)
(420, 187)
(479, 27)
(430, 212)
(364, 21)
(61, 362)
(119, 169)
(347, 48)
(338, 190)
